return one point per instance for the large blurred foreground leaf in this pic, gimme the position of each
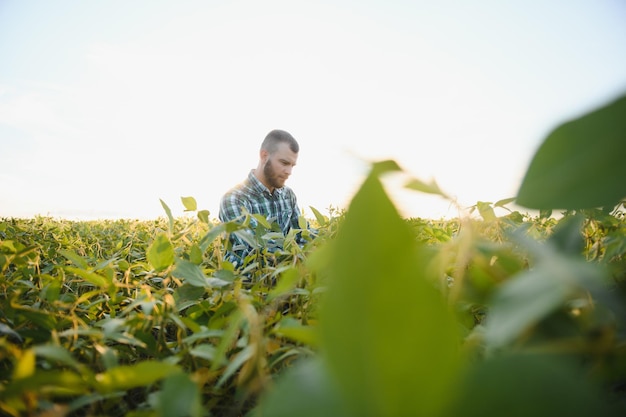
(304, 391)
(580, 164)
(180, 396)
(528, 385)
(390, 346)
(388, 336)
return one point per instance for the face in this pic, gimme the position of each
(278, 166)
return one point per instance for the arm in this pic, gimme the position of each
(232, 209)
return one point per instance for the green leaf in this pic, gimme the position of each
(203, 216)
(383, 167)
(504, 202)
(224, 275)
(518, 385)
(52, 383)
(170, 218)
(302, 223)
(429, 188)
(321, 219)
(520, 303)
(192, 274)
(111, 325)
(580, 164)
(292, 329)
(126, 377)
(189, 203)
(203, 335)
(545, 213)
(486, 211)
(262, 220)
(195, 254)
(58, 354)
(229, 336)
(212, 235)
(180, 396)
(7, 331)
(92, 398)
(91, 277)
(387, 334)
(42, 318)
(9, 246)
(123, 265)
(75, 258)
(187, 295)
(287, 280)
(160, 253)
(306, 390)
(236, 363)
(25, 365)
(204, 351)
(531, 296)
(567, 235)
(247, 237)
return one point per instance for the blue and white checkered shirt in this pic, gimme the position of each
(280, 207)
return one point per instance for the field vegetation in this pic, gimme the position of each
(379, 315)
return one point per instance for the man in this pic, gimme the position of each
(264, 192)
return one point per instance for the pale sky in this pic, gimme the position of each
(107, 107)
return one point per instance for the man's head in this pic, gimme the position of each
(278, 155)
(275, 138)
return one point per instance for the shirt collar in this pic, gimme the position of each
(257, 185)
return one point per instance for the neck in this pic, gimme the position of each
(258, 173)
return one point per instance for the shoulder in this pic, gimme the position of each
(231, 204)
(236, 196)
(239, 191)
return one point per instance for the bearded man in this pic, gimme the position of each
(264, 192)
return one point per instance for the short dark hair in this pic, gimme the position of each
(276, 136)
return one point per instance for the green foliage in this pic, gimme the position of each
(581, 163)
(387, 331)
(378, 315)
(115, 317)
(447, 327)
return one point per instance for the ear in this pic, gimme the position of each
(264, 155)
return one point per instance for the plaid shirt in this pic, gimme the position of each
(280, 207)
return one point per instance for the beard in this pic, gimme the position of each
(271, 176)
